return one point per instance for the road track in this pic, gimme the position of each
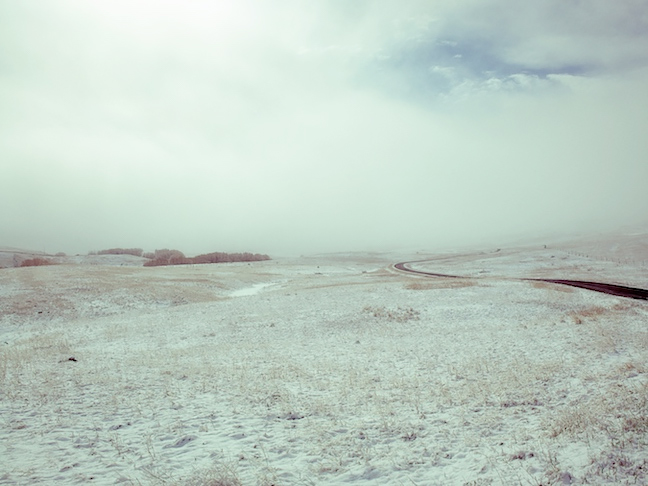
(618, 290)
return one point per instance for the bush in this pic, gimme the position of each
(122, 251)
(167, 257)
(36, 262)
(175, 257)
(219, 257)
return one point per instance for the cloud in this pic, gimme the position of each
(496, 40)
(240, 126)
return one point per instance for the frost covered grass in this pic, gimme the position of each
(325, 372)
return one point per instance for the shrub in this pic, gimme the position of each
(167, 257)
(122, 251)
(175, 257)
(220, 257)
(36, 262)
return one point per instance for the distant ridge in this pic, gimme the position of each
(11, 249)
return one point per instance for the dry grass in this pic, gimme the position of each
(95, 291)
(557, 287)
(221, 474)
(616, 416)
(400, 411)
(398, 314)
(587, 314)
(34, 362)
(595, 313)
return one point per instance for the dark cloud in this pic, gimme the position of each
(492, 44)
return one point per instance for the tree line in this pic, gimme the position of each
(176, 257)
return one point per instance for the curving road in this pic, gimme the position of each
(619, 290)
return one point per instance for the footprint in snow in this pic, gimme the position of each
(182, 442)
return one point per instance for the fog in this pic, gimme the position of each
(292, 127)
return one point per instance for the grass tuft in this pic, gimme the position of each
(398, 314)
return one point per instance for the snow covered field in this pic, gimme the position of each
(330, 369)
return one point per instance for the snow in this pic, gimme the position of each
(323, 370)
(253, 290)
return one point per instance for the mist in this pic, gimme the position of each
(332, 126)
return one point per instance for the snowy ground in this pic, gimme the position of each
(325, 370)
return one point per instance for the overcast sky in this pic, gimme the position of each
(293, 126)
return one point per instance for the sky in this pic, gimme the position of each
(292, 126)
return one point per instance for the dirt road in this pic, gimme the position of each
(619, 290)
